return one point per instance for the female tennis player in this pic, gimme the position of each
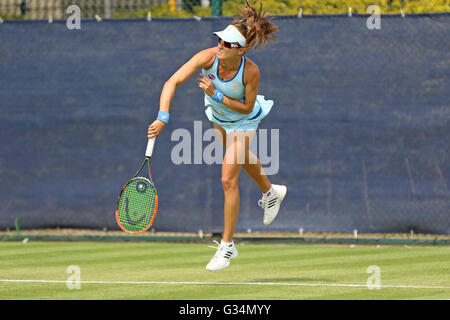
(230, 83)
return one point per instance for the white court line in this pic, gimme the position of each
(230, 283)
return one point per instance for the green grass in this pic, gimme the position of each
(288, 271)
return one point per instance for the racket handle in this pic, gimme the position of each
(150, 145)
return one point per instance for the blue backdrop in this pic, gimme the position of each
(363, 118)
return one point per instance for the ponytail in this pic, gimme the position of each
(256, 27)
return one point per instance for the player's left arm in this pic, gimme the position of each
(251, 83)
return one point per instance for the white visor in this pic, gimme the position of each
(231, 34)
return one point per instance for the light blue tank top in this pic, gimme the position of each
(233, 88)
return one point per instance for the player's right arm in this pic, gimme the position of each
(203, 59)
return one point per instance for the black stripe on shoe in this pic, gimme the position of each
(272, 203)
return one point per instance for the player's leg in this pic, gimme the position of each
(272, 195)
(230, 175)
(237, 155)
(252, 165)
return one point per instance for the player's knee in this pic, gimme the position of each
(229, 183)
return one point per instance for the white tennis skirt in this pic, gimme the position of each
(248, 123)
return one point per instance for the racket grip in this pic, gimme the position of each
(150, 145)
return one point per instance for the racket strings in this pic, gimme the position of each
(137, 205)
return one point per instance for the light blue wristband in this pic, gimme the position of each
(218, 96)
(163, 116)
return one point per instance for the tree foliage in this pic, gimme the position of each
(288, 7)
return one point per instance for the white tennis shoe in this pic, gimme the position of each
(222, 258)
(271, 203)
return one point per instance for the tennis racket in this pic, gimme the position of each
(138, 201)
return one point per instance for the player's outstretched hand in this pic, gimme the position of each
(155, 128)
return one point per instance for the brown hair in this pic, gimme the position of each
(254, 25)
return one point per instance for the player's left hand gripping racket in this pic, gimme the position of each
(138, 200)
